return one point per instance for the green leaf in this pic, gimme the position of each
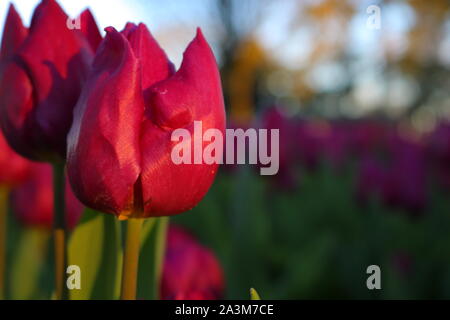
(28, 262)
(95, 246)
(107, 285)
(146, 279)
(147, 229)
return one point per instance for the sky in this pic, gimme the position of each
(173, 23)
(157, 15)
(166, 15)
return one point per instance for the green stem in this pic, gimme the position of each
(131, 259)
(3, 229)
(30, 249)
(160, 250)
(59, 231)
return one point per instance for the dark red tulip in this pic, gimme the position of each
(370, 180)
(400, 180)
(191, 271)
(33, 200)
(336, 145)
(406, 179)
(275, 118)
(42, 71)
(367, 137)
(13, 168)
(341, 141)
(439, 151)
(309, 138)
(119, 147)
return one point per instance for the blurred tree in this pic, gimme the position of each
(320, 55)
(242, 55)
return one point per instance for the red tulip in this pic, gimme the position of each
(33, 200)
(42, 70)
(119, 147)
(13, 168)
(190, 270)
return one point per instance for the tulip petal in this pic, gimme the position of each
(57, 75)
(193, 93)
(14, 33)
(103, 143)
(155, 65)
(16, 104)
(90, 29)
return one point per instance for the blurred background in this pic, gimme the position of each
(363, 109)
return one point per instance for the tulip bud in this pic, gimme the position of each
(42, 70)
(181, 278)
(32, 201)
(119, 146)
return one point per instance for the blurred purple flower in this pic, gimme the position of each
(370, 179)
(405, 184)
(439, 152)
(275, 118)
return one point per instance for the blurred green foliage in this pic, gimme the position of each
(312, 242)
(317, 242)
